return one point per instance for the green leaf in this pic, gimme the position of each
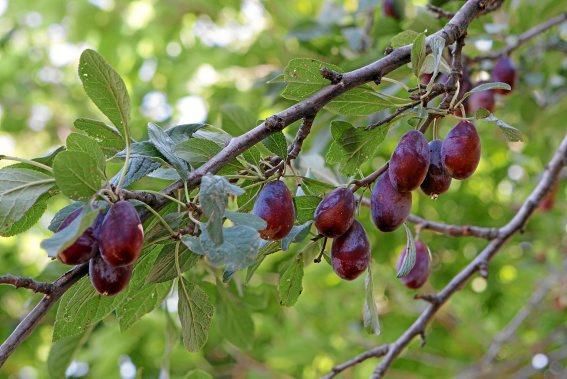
(183, 132)
(80, 308)
(65, 237)
(77, 174)
(418, 53)
(360, 101)
(437, 44)
(20, 189)
(246, 219)
(481, 114)
(140, 297)
(353, 146)
(109, 139)
(198, 151)
(267, 249)
(195, 313)
(239, 249)
(138, 168)
(87, 145)
(164, 268)
(490, 86)
(165, 145)
(277, 144)
(290, 285)
(315, 187)
(234, 319)
(106, 89)
(297, 234)
(29, 219)
(512, 134)
(143, 149)
(62, 352)
(214, 199)
(236, 120)
(370, 310)
(305, 207)
(303, 77)
(409, 258)
(176, 221)
(404, 38)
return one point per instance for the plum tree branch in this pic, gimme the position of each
(453, 30)
(523, 38)
(392, 350)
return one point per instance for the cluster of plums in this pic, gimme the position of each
(111, 246)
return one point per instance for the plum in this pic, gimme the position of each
(274, 205)
(350, 253)
(389, 207)
(460, 151)
(335, 213)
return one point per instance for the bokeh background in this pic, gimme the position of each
(182, 61)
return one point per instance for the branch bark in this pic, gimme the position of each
(29, 283)
(550, 175)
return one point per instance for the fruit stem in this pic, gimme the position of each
(165, 224)
(394, 81)
(318, 259)
(186, 192)
(27, 161)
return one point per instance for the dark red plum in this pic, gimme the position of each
(460, 151)
(504, 71)
(478, 100)
(335, 213)
(393, 9)
(107, 279)
(409, 162)
(121, 235)
(420, 272)
(350, 253)
(437, 180)
(389, 207)
(274, 205)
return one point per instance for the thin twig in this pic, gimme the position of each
(21, 282)
(523, 38)
(439, 12)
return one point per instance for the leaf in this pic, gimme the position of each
(481, 114)
(65, 237)
(80, 308)
(165, 145)
(195, 313)
(512, 134)
(164, 268)
(108, 137)
(267, 249)
(197, 151)
(106, 89)
(409, 258)
(370, 310)
(290, 285)
(305, 207)
(239, 249)
(138, 168)
(490, 86)
(353, 146)
(85, 144)
(277, 144)
(198, 374)
(236, 120)
(406, 37)
(234, 319)
(20, 189)
(437, 44)
(140, 297)
(418, 53)
(62, 352)
(246, 219)
(183, 132)
(360, 101)
(29, 219)
(62, 214)
(303, 77)
(315, 187)
(214, 199)
(176, 220)
(77, 174)
(297, 234)
(143, 149)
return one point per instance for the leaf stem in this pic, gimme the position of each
(165, 196)
(165, 224)
(27, 161)
(127, 159)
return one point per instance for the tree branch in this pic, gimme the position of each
(523, 38)
(21, 282)
(550, 175)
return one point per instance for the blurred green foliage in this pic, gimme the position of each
(182, 61)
